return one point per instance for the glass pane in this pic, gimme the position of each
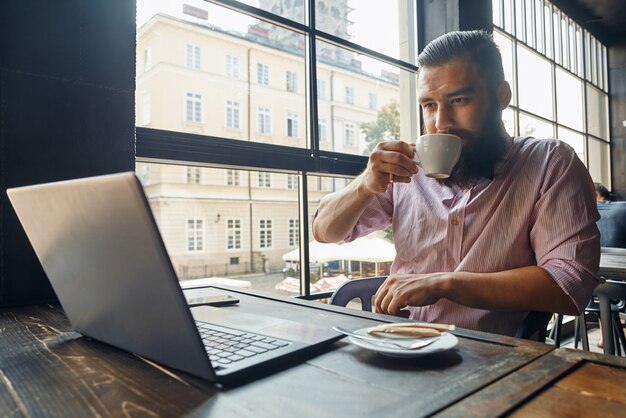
(569, 95)
(508, 17)
(535, 83)
(597, 113)
(579, 52)
(556, 31)
(289, 9)
(599, 162)
(534, 127)
(572, 48)
(363, 102)
(587, 57)
(506, 50)
(357, 21)
(508, 118)
(495, 10)
(605, 85)
(574, 139)
(564, 43)
(247, 87)
(548, 22)
(594, 68)
(520, 16)
(332, 264)
(539, 26)
(232, 226)
(530, 30)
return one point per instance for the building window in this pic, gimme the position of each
(234, 261)
(263, 74)
(263, 120)
(265, 233)
(321, 128)
(350, 95)
(292, 181)
(193, 56)
(232, 66)
(143, 172)
(193, 107)
(292, 125)
(293, 232)
(348, 135)
(145, 109)
(147, 59)
(291, 82)
(232, 114)
(233, 234)
(193, 175)
(264, 179)
(373, 101)
(233, 177)
(195, 235)
(321, 90)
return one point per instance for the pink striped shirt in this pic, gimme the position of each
(539, 210)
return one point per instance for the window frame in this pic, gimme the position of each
(567, 47)
(193, 233)
(238, 232)
(210, 150)
(193, 60)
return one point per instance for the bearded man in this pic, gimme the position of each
(512, 230)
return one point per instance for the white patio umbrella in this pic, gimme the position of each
(374, 250)
(318, 252)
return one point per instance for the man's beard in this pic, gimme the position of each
(480, 153)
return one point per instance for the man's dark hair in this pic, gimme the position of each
(602, 191)
(478, 45)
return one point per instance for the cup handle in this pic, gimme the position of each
(416, 158)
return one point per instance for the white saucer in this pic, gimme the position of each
(443, 343)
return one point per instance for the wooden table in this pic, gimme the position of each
(564, 383)
(46, 370)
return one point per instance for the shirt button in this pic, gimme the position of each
(455, 222)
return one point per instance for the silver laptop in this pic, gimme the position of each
(100, 247)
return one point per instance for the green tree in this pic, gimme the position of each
(385, 127)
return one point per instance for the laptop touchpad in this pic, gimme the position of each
(263, 324)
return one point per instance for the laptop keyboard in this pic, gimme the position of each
(226, 346)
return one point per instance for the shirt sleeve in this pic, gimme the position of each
(563, 233)
(376, 216)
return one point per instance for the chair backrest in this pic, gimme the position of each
(533, 326)
(363, 289)
(612, 224)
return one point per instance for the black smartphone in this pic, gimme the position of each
(217, 300)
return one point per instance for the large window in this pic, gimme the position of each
(193, 107)
(195, 235)
(275, 116)
(192, 56)
(559, 78)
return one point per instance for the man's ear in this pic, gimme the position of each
(504, 95)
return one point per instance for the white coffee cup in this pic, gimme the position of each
(437, 154)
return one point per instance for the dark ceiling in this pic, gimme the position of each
(606, 19)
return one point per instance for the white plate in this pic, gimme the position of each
(443, 343)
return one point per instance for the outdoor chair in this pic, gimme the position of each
(533, 326)
(593, 307)
(609, 294)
